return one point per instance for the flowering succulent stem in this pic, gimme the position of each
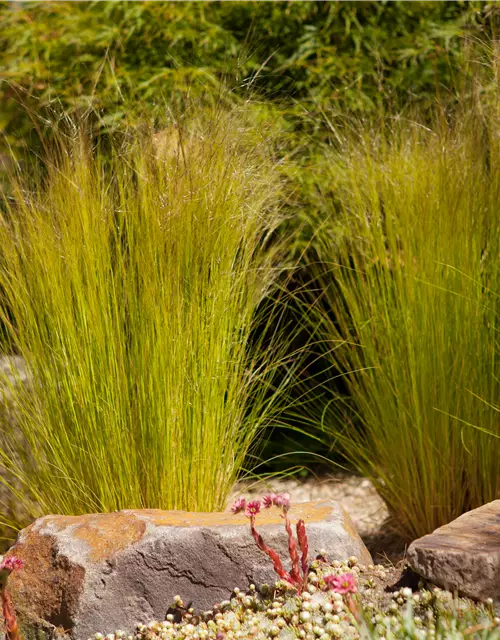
(277, 564)
(7, 566)
(304, 548)
(352, 605)
(294, 556)
(282, 500)
(9, 617)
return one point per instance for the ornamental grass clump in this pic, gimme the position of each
(407, 265)
(131, 282)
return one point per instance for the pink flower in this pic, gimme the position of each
(253, 508)
(269, 500)
(12, 563)
(282, 500)
(346, 583)
(239, 505)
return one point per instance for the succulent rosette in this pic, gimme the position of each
(7, 566)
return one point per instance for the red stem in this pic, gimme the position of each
(277, 564)
(9, 616)
(352, 606)
(294, 556)
(304, 546)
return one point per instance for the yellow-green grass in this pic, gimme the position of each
(131, 287)
(409, 272)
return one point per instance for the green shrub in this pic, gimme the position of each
(408, 243)
(122, 59)
(132, 284)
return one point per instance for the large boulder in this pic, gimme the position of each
(84, 574)
(464, 555)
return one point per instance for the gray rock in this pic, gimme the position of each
(104, 572)
(12, 371)
(464, 555)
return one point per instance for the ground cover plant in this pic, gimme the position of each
(407, 242)
(132, 284)
(325, 611)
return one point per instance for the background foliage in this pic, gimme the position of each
(124, 59)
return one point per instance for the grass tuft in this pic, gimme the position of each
(131, 288)
(408, 244)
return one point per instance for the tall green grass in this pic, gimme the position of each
(408, 270)
(132, 286)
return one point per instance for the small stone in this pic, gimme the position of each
(463, 555)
